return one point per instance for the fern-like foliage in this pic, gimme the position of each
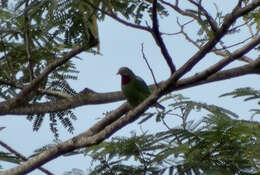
(8, 157)
(185, 106)
(254, 17)
(136, 9)
(75, 171)
(48, 29)
(219, 143)
(223, 146)
(54, 27)
(248, 94)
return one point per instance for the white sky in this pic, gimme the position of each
(121, 46)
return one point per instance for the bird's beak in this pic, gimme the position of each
(117, 73)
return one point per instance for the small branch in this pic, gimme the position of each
(243, 58)
(249, 27)
(115, 17)
(114, 122)
(27, 40)
(233, 45)
(11, 150)
(216, 51)
(213, 72)
(228, 21)
(144, 57)
(158, 38)
(85, 97)
(154, 31)
(24, 94)
(89, 97)
(165, 124)
(186, 36)
(41, 91)
(180, 11)
(181, 26)
(211, 21)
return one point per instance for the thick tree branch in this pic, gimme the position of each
(74, 143)
(155, 30)
(88, 96)
(85, 97)
(252, 68)
(216, 51)
(112, 122)
(212, 73)
(11, 150)
(159, 41)
(228, 21)
(213, 25)
(22, 96)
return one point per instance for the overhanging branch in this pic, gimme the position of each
(158, 38)
(112, 123)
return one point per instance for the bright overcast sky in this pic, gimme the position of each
(121, 46)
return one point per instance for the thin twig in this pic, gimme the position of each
(236, 27)
(155, 30)
(41, 91)
(11, 150)
(226, 52)
(145, 59)
(181, 26)
(178, 10)
(249, 27)
(228, 21)
(233, 45)
(165, 124)
(115, 17)
(192, 15)
(186, 35)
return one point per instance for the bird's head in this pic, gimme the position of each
(126, 74)
(125, 71)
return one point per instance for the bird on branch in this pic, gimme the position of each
(134, 88)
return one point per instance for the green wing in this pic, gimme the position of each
(142, 87)
(136, 91)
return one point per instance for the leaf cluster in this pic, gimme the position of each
(36, 33)
(33, 36)
(249, 94)
(8, 157)
(217, 144)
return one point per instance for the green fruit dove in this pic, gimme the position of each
(134, 88)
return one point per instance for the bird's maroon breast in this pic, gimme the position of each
(125, 80)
